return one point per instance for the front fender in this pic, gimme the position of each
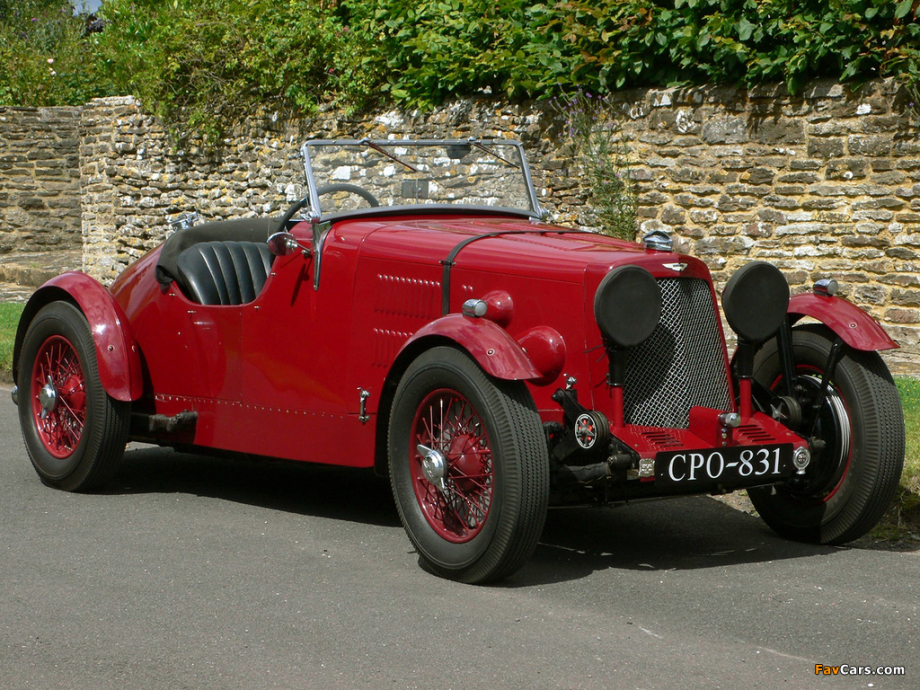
(488, 343)
(854, 326)
(116, 350)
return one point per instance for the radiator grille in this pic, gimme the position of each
(681, 364)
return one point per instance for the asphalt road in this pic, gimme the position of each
(195, 572)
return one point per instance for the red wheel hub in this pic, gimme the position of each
(451, 465)
(58, 395)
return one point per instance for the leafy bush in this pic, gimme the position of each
(43, 58)
(436, 48)
(203, 63)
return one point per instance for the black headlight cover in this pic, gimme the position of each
(755, 301)
(627, 306)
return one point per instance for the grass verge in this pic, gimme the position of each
(902, 521)
(9, 320)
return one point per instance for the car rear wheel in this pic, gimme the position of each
(850, 483)
(74, 432)
(468, 467)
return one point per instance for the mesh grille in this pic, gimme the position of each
(681, 364)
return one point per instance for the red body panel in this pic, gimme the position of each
(756, 430)
(490, 345)
(854, 326)
(267, 377)
(283, 375)
(116, 350)
(398, 290)
(187, 349)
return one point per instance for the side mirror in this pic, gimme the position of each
(283, 244)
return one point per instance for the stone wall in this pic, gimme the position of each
(826, 184)
(39, 179)
(823, 185)
(134, 181)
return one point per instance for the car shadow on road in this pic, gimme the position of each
(301, 488)
(676, 534)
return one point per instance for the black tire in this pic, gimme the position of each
(848, 488)
(475, 530)
(79, 443)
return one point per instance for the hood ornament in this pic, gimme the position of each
(658, 241)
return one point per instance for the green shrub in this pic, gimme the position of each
(595, 133)
(437, 48)
(44, 60)
(205, 63)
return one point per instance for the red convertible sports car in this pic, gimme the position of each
(414, 314)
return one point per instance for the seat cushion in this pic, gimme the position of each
(237, 230)
(224, 272)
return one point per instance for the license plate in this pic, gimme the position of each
(728, 467)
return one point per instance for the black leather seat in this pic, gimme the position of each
(224, 272)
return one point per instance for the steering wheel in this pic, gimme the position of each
(351, 189)
(327, 189)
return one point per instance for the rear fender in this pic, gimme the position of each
(854, 326)
(116, 350)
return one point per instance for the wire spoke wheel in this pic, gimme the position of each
(58, 395)
(824, 477)
(469, 467)
(457, 504)
(74, 432)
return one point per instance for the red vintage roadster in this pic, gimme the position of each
(414, 314)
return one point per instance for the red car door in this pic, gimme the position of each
(295, 343)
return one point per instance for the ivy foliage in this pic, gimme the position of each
(437, 48)
(205, 63)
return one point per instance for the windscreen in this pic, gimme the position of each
(354, 175)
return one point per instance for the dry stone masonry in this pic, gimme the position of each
(39, 179)
(825, 184)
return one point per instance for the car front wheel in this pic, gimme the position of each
(851, 481)
(468, 467)
(74, 432)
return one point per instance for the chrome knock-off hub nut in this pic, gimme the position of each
(48, 397)
(434, 466)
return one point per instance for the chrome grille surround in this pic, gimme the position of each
(681, 365)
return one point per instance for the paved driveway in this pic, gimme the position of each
(195, 572)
